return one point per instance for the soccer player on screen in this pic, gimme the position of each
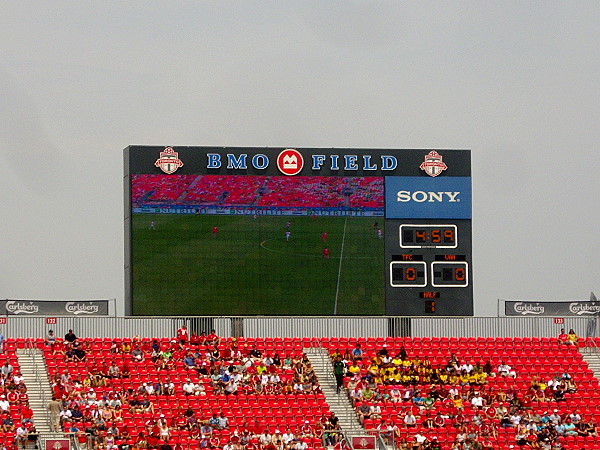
(324, 236)
(325, 254)
(379, 233)
(287, 236)
(215, 230)
(152, 225)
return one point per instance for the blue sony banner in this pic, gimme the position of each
(428, 198)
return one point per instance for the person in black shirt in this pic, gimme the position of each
(70, 337)
(338, 370)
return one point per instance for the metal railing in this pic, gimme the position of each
(235, 326)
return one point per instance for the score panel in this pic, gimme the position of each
(429, 267)
(449, 274)
(408, 273)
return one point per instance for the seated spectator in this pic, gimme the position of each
(410, 420)
(504, 370)
(70, 337)
(21, 436)
(357, 353)
(563, 337)
(50, 340)
(572, 338)
(137, 354)
(364, 412)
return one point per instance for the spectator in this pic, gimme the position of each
(7, 369)
(572, 338)
(357, 353)
(21, 436)
(338, 370)
(504, 370)
(563, 337)
(54, 407)
(70, 337)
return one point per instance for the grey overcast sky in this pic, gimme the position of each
(518, 83)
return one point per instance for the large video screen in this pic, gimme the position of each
(275, 231)
(252, 245)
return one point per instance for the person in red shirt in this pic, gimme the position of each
(324, 236)
(325, 253)
(212, 338)
(215, 230)
(183, 335)
(563, 337)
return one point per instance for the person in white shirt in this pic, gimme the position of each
(555, 417)
(466, 366)
(265, 438)
(477, 400)
(504, 370)
(410, 420)
(4, 404)
(301, 445)
(288, 436)
(21, 435)
(188, 387)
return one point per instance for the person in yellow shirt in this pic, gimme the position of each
(354, 368)
(480, 377)
(458, 402)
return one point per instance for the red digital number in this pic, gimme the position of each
(411, 274)
(436, 236)
(460, 274)
(421, 235)
(448, 236)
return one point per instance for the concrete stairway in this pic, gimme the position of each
(591, 355)
(340, 404)
(39, 390)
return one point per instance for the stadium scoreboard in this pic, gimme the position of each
(385, 230)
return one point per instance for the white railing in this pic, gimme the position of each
(115, 327)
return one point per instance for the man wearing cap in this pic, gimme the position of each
(306, 429)
(265, 438)
(555, 417)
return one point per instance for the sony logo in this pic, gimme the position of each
(422, 196)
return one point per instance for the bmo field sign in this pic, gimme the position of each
(297, 231)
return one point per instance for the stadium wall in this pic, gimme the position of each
(37, 327)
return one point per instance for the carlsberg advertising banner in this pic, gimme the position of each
(553, 309)
(80, 308)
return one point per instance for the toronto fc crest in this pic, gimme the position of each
(433, 164)
(168, 161)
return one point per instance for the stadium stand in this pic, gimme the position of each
(202, 391)
(16, 425)
(159, 189)
(500, 392)
(279, 191)
(189, 394)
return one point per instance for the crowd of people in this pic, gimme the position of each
(211, 368)
(425, 399)
(14, 402)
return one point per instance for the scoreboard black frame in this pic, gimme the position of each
(427, 234)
